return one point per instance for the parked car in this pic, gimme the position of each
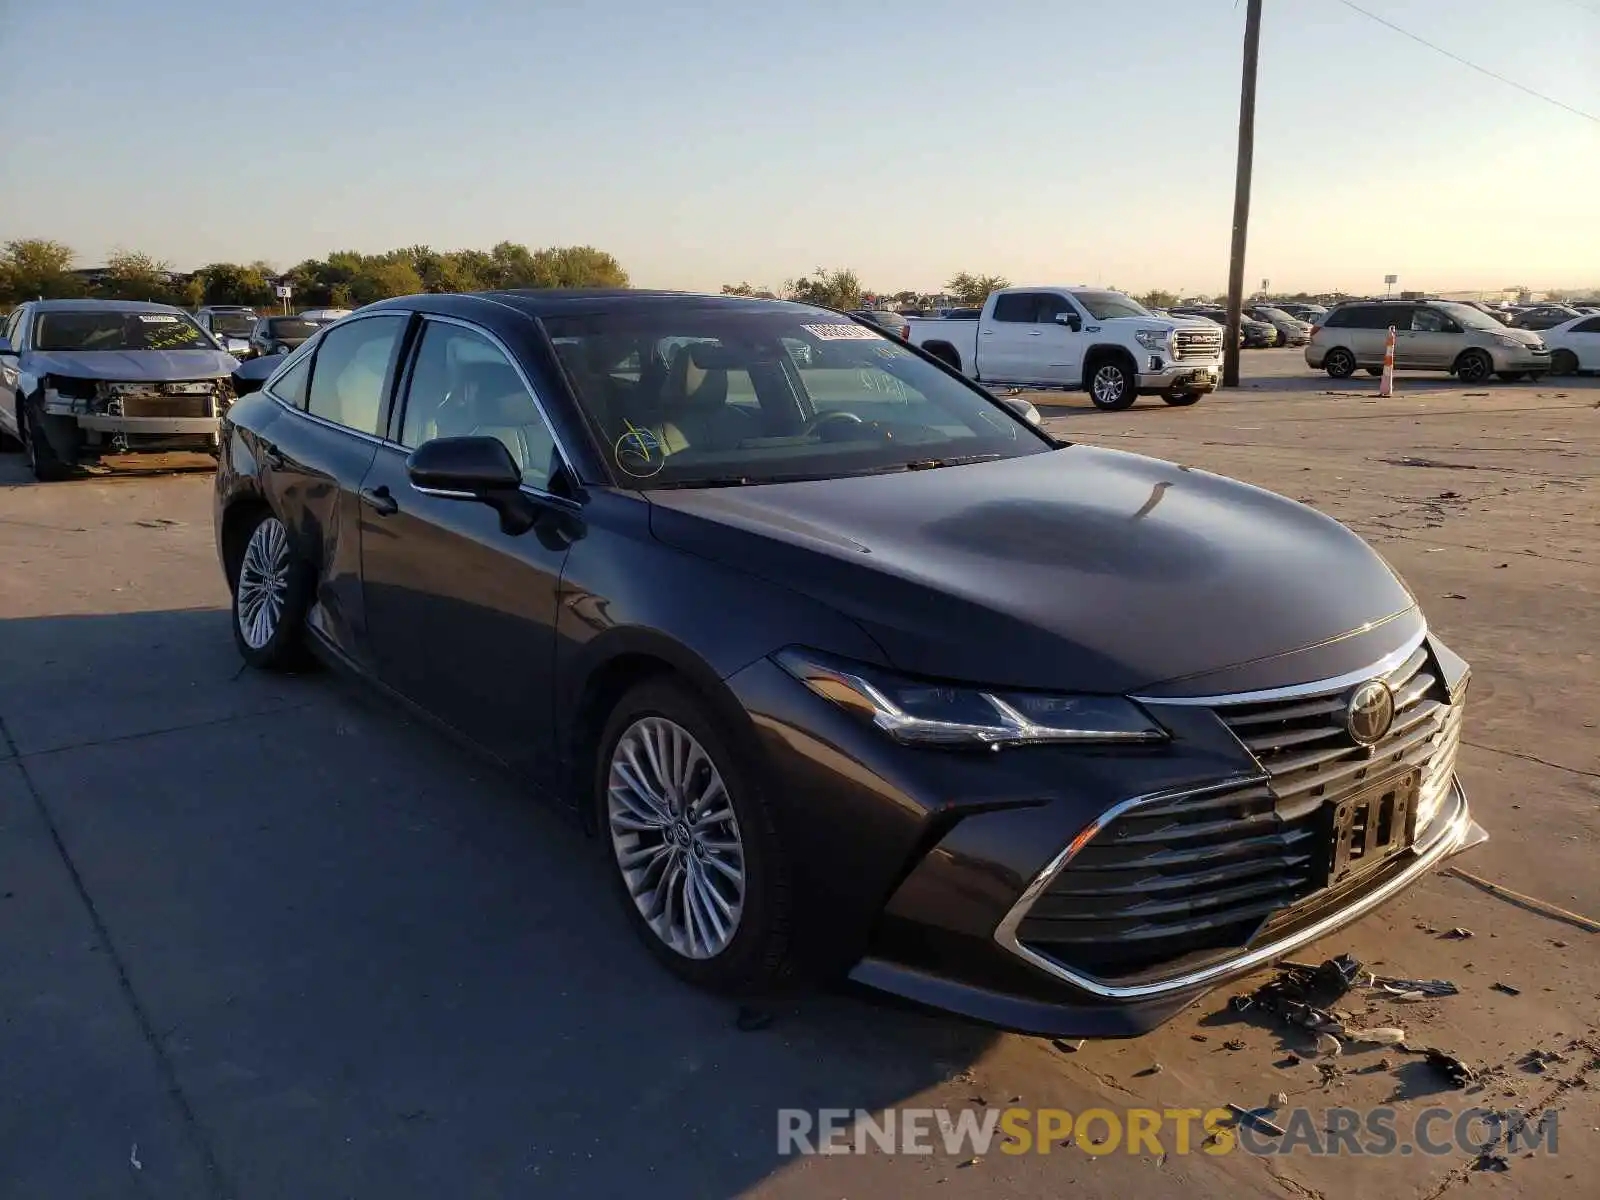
(230, 325)
(890, 322)
(851, 671)
(1429, 336)
(279, 335)
(1545, 316)
(1256, 334)
(1287, 330)
(1574, 346)
(81, 379)
(326, 314)
(1071, 337)
(1309, 313)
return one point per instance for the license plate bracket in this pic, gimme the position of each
(1371, 826)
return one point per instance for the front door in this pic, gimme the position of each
(462, 615)
(1434, 339)
(1060, 346)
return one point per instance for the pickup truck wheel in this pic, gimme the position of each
(1339, 363)
(1112, 386)
(1180, 399)
(945, 353)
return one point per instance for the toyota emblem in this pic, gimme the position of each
(1370, 712)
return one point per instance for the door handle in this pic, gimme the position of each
(380, 501)
(1035, 333)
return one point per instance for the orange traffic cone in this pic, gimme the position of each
(1386, 384)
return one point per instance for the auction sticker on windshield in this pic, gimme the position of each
(841, 333)
(158, 319)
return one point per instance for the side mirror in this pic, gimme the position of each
(1022, 408)
(1071, 320)
(473, 468)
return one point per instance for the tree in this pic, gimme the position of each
(831, 289)
(230, 283)
(1158, 299)
(134, 275)
(379, 282)
(973, 290)
(745, 289)
(31, 268)
(577, 267)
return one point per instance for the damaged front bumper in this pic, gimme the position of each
(115, 417)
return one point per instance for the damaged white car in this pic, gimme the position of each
(84, 379)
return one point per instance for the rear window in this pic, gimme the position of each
(292, 327)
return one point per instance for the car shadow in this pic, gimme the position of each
(372, 963)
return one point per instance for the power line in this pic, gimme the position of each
(1466, 63)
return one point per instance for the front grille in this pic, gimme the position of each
(1196, 343)
(1196, 878)
(167, 406)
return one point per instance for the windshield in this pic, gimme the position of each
(691, 397)
(1274, 314)
(233, 324)
(112, 330)
(1103, 306)
(292, 327)
(1470, 318)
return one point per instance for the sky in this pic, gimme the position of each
(1056, 141)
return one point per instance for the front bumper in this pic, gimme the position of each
(148, 425)
(948, 889)
(1192, 376)
(1509, 359)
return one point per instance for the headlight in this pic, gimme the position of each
(1152, 339)
(1507, 339)
(927, 713)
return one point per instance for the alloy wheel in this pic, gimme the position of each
(1475, 367)
(1109, 384)
(676, 837)
(263, 583)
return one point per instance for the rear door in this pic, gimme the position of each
(461, 614)
(1583, 339)
(1008, 342)
(314, 458)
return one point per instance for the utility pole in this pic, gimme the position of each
(1241, 193)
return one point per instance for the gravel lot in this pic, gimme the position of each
(265, 938)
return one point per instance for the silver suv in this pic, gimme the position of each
(1432, 335)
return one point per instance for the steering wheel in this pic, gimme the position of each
(847, 424)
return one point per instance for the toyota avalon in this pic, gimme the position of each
(849, 669)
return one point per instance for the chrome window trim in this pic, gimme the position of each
(1321, 687)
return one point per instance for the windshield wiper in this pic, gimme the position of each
(930, 464)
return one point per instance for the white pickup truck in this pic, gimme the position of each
(1078, 338)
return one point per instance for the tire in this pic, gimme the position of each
(737, 941)
(1112, 386)
(1563, 362)
(1375, 372)
(1474, 366)
(271, 593)
(946, 354)
(1281, 340)
(1339, 363)
(43, 461)
(1181, 399)
(9, 443)
(1512, 376)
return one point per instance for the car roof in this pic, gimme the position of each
(538, 303)
(130, 306)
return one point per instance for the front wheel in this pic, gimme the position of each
(1339, 363)
(693, 842)
(1563, 362)
(271, 593)
(1180, 399)
(46, 465)
(1113, 387)
(1474, 366)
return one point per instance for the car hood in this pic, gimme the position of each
(133, 366)
(1528, 337)
(1081, 569)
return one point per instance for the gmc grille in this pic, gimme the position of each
(1196, 343)
(1194, 879)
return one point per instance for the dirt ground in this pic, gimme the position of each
(265, 938)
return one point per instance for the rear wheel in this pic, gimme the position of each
(1112, 385)
(271, 593)
(1474, 366)
(1375, 371)
(1339, 363)
(1563, 362)
(693, 842)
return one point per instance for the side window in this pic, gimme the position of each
(1049, 306)
(1429, 320)
(1339, 318)
(14, 328)
(1017, 307)
(463, 385)
(1592, 325)
(352, 372)
(290, 387)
